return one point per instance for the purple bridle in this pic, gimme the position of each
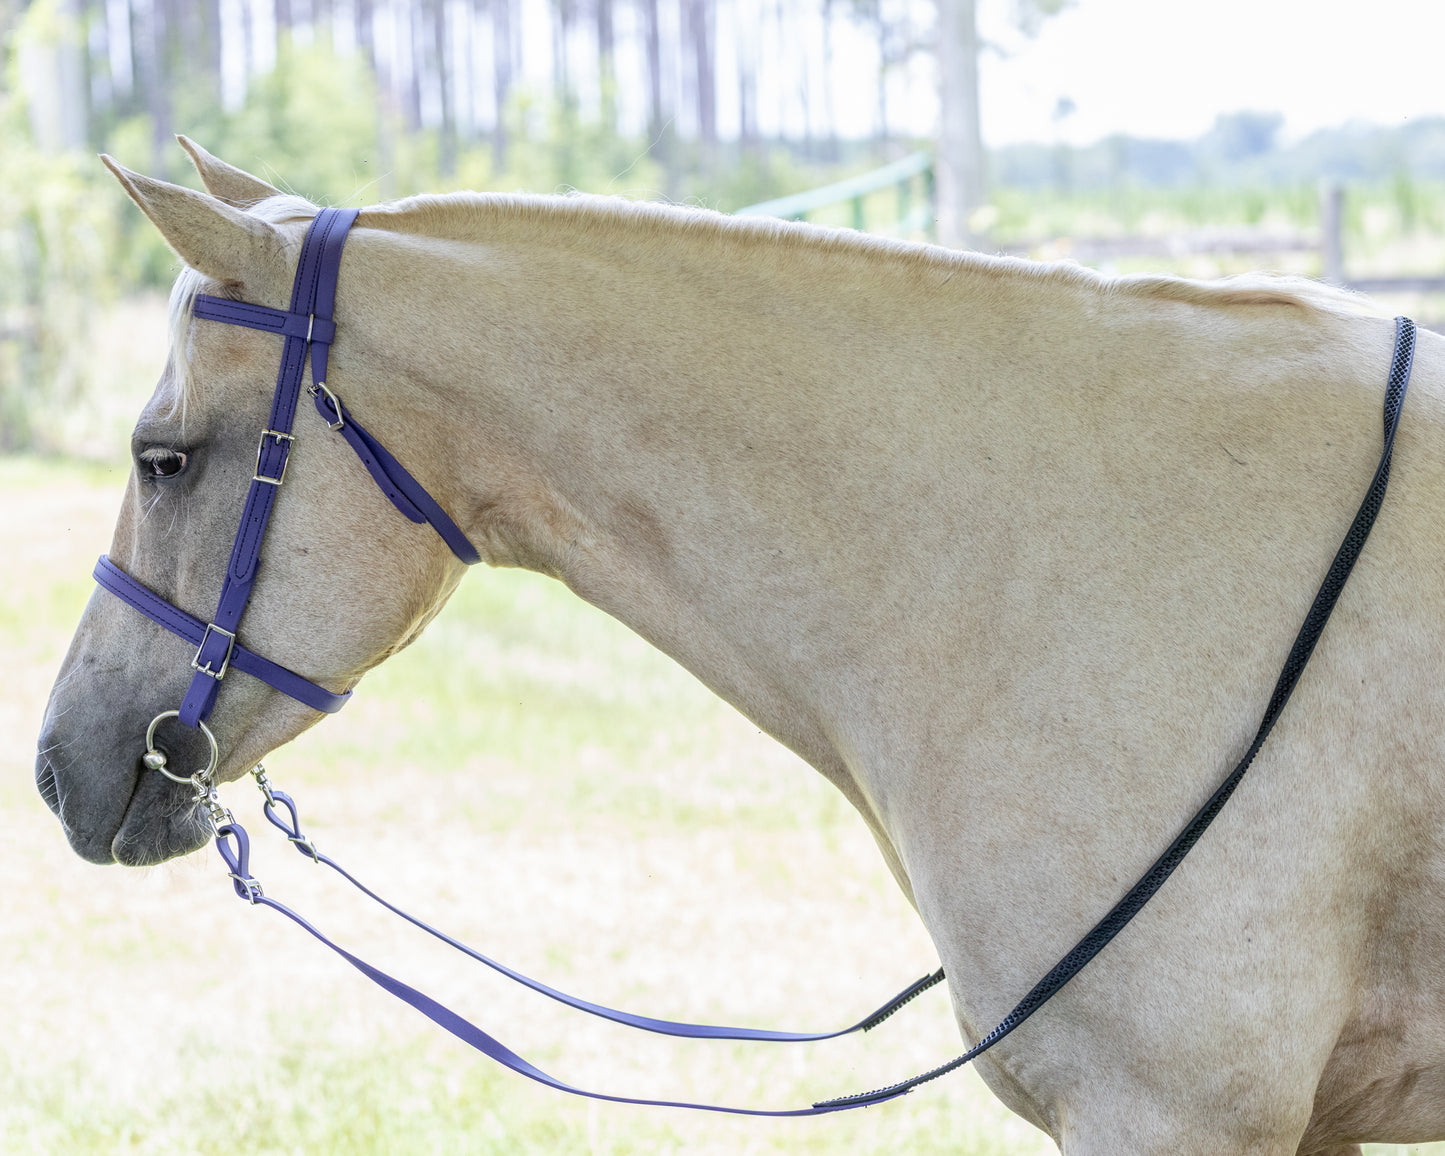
(309, 329)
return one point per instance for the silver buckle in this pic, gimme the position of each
(258, 476)
(225, 662)
(250, 885)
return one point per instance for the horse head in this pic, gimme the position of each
(339, 584)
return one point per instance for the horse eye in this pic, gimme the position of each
(162, 463)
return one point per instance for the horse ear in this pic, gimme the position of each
(207, 234)
(234, 186)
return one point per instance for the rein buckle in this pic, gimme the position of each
(247, 888)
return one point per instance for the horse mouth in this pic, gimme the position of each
(160, 820)
(152, 831)
(163, 820)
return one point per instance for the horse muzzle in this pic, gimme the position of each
(111, 805)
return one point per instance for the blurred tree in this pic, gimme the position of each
(606, 64)
(893, 32)
(436, 13)
(961, 181)
(697, 34)
(960, 163)
(1239, 136)
(50, 61)
(830, 112)
(282, 11)
(747, 63)
(363, 15)
(57, 230)
(313, 120)
(660, 129)
(156, 54)
(502, 38)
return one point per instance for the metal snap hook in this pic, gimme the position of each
(156, 759)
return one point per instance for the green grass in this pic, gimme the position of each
(540, 781)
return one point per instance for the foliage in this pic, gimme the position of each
(540, 780)
(57, 243)
(320, 124)
(310, 125)
(69, 240)
(1241, 150)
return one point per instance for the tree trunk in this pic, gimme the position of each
(211, 36)
(247, 50)
(283, 25)
(501, 78)
(697, 31)
(157, 73)
(447, 142)
(561, 45)
(659, 129)
(416, 65)
(830, 112)
(747, 61)
(652, 37)
(52, 73)
(364, 15)
(606, 64)
(564, 142)
(884, 62)
(959, 160)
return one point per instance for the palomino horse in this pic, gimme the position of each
(1010, 553)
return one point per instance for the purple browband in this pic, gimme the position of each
(309, 329)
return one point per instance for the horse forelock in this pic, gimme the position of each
(177, 380)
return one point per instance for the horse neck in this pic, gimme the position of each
(707, 432)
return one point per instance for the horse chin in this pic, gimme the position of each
(163, 821)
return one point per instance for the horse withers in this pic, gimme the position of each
(1011, 553)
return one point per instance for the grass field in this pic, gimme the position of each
(541, 782)
(538, 781)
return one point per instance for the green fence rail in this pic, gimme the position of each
(914, 214)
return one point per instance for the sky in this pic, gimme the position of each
(1167, 68)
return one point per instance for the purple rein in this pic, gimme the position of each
(308, 330)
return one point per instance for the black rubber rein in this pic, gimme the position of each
(1304, 645)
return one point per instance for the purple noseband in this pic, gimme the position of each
(309, 329)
